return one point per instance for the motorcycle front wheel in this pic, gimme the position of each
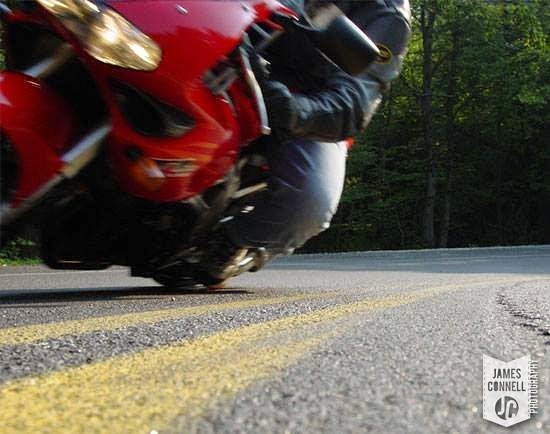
(173, 279)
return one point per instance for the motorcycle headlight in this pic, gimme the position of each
(106, 35)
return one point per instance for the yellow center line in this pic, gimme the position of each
(151, 389)
(37, 332)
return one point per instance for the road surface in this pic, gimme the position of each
(351, 343)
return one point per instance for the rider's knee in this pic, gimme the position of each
(316, 204)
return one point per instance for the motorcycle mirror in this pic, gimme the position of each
(344, 43)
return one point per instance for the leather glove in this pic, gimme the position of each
(281, 108)
(334, 114)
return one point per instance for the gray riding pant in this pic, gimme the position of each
(307, 178)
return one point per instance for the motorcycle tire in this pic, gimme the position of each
(178, 282)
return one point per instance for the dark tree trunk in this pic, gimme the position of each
(427, 21)
(452, 101)
(446, 218)
(429, 209)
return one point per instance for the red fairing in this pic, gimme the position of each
(194, 36)
(39, 125)
(193, 41)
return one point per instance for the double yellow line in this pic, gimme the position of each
(161, 388)
(149, 390)
(37, 332)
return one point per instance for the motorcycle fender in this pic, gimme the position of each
(39, 126)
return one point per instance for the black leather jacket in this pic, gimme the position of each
(332, 105)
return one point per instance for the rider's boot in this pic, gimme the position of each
(222, 257)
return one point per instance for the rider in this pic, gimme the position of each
(307, 150)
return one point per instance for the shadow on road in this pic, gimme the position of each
(38, 296)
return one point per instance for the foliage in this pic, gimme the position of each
(489, 157)
(18, 251)
(490, 152)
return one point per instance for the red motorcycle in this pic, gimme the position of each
(129, 128)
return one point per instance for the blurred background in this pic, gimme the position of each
(458, 155)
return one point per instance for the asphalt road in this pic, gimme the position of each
(365, 342)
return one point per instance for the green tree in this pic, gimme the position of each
(459, 153)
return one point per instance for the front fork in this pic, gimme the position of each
(40, 131)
